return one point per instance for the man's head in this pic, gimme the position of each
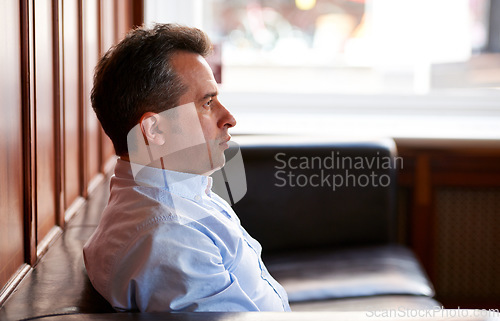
(152, 71)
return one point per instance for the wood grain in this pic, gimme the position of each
(45, 118)
(72, 102)
(90, 49)
(11, 142)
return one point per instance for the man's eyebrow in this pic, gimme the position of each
(209, 95)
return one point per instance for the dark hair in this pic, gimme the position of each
(136, 76)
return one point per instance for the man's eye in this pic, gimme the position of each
(208, 103)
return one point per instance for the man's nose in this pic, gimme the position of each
(227, 119)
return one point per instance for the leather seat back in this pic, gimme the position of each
(296, 200)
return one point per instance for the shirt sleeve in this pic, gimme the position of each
(175, 267)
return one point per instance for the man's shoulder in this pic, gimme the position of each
(129, 217)
(135, 210)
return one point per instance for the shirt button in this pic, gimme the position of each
(197, 198)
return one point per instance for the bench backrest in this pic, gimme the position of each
(311, 195)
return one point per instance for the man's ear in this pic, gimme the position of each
(150, 128)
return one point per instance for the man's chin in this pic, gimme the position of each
(218, 162)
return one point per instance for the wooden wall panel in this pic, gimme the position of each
(51, 144)
(452, 193)
(124, 10)
(71, 101)
(92, 139)
(11, 157)
(45, 118)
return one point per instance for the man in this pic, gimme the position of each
(166, 242)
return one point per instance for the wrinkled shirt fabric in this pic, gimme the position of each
(166, 242)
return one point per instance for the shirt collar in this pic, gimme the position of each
(187, 185)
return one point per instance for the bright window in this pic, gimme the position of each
(397, 68)
(343, 46)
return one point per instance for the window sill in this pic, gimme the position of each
(416, 120)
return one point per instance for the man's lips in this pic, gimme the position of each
(225, 141)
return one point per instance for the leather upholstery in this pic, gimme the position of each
(291, 218)
(324, 244)
(346, 273)
(368, 304)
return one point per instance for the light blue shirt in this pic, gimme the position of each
(166, 242)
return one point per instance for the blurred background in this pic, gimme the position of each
(368, 58)
(347, 46)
